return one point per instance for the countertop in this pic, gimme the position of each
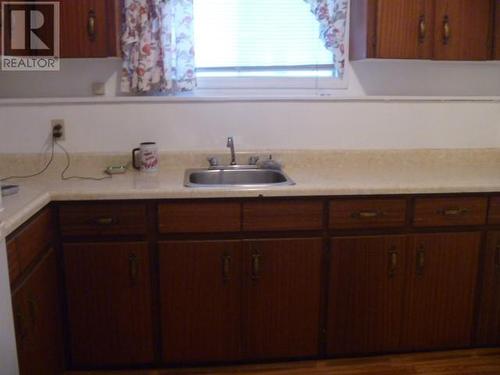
(316, 173)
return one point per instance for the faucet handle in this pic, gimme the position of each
(253, 160)
(213, 161)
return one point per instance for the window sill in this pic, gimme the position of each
(260, 98)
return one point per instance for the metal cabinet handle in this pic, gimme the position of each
(256, 266)
(133, 268)
(32, 307)
(91, 25)
(20, 326)
(446, 30)
(226, 267)
(105, 221)
(420, 260)
(454, 211)
(422, 29)
(393, 262)
(497, 258)
(366, 214)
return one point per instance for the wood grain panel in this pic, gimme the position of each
(34, 239)
(109, 304)
(200, 304)
(13, 261)
(362, 29)
(471, 27)
(398, 29)
(199, 217)
(367, 213)
(366, 292)
(38, 321)
(283, 215)
(111, 218)
(75, 39)
(453, 211)
(497, 31)
(494, 210)
(441, 291)
(282, 312)
(488, 328)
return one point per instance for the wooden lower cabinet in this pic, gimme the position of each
(38, 320)
(366, 292)
(240, 300)
(440, 292)
(200, 288)
(488, 332)
(282, 279)
(108, 288)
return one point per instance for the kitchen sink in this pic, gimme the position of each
(236, 176)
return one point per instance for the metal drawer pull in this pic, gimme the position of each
(366, 214)
(497, 258)
(226, 267)
(33, 307)
(393, 262)
(133, 268)
(420, 260)
(446, 30)
(105, 221)
(255, 266)
(91, 27)
(454, 211)
(422, 29)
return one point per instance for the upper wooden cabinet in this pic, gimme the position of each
(463, 29)
(497, 31)
(89, 28)
(422, 29)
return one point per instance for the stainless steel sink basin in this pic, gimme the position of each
(236, 176)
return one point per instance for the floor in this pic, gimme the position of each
(463, 362)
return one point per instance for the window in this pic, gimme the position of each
(260, 43)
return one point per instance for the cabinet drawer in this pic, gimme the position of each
(13, 261)
(199, 217)
(367, 213)
(283, 215)
(494, 211)
(114, 218)
(29, 243)
(449, 211)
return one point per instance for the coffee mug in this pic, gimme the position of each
(148, 159)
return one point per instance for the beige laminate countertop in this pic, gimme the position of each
(316, 173)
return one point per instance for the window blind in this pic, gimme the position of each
(257, 34)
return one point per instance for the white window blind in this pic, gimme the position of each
(260, 37)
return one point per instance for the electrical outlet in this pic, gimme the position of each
(58, 130)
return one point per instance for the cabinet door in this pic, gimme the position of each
(84, 28)
(283, 286)
(404, 29)
(489, 308)
(200, 285)
(440, 290)
(38, 320)
(366, 294)
(109, 303)
(463, 29)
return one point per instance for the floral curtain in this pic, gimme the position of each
(157, 46)
(332, 16)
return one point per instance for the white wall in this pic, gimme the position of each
(255, 125)
(267, 124)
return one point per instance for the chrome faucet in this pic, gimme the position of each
(230, 145)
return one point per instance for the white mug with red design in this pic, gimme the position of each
(148, 160)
